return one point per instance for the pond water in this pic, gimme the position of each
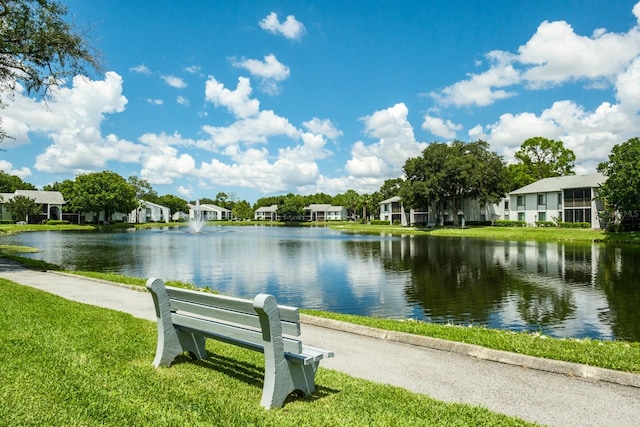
(560, 289)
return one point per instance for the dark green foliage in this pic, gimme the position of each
(450, 173)
(11, 183)
(22, 207)
(574, 225)
(174, 203)
(508, 223)
(621, 191)
(545, 224)
(242, 210)
(57, 222)
(102, 191)
(540, 158)
(144, 190)
(291, 208)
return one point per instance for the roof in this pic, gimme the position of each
(560, 183)
(153, 204)
(335, 209)
(41, 197)
(391, 200)
(318, 207)
(272, 208)
(209, 208)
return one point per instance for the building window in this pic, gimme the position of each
(520, 200)
(542, 216)
(577, 205)
(541, 199)
(577, 197)
(577, 215)
(520, 216)
(506, 205)
(559, 199)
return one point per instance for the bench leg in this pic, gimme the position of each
(278, 383)
(169, 345)
(172, 342)
(193, 343)
(304, 376)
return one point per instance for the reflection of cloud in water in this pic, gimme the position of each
(554, 271)
(582, 290)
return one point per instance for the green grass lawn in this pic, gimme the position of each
(66, 363)
(497, 233)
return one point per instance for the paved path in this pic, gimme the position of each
(454, 376)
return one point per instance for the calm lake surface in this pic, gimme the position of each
(560, 289)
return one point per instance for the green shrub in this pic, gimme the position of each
(379, 222)
(509, 223)
(476, 223)
(57, 222)
(574, 225)
(545, 224)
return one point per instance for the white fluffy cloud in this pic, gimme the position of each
(555, 54)
(236, 101)
(323, 127)
(291, 28)
(270, 68)
(257, 129)
(72, 120)
(484, 88)
(174, 81)
(590, 134)
(396, 143)
(269, 72)
(7, 167)
(439, 127)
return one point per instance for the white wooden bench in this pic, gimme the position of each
(186, 318)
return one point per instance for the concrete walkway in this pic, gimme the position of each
(547, 392)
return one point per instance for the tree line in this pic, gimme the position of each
(40, 48)
(444, 175)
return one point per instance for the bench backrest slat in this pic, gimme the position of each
(287, 313)
(230, 316)
(225, 331)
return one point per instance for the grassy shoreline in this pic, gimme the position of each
(486, 232)
(617, 355)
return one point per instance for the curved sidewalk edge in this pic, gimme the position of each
(483, 353)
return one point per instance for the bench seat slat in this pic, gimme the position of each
(247, 337)
(224, 315)
(287, 313)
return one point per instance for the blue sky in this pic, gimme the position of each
(260, 98)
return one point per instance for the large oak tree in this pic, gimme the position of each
(102, 191)
(540, 158)
(450, 173)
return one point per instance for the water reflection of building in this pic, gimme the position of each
(516, 285)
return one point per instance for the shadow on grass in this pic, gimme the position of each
(248, 373)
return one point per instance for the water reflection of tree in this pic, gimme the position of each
(464, 280)
(618, 273)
